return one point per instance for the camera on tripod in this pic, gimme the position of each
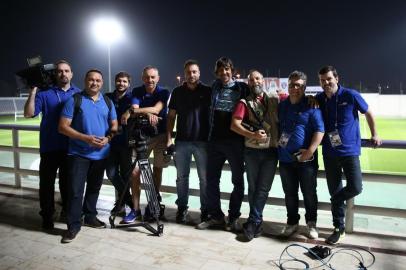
(37, 74)
(139, 129)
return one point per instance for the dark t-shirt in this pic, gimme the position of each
(224, 101)
(192, 109)
(121, 105)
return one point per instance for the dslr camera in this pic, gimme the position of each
(37, 74)
(251, 126)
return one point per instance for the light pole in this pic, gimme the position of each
(108, 30)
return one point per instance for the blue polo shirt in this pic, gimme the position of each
(121, 105)
(93, 119)
(300, 122)
(144, 99)
(50, 103)
(342, 108)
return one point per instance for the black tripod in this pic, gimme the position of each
(147, 182)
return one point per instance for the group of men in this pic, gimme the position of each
(83, 133)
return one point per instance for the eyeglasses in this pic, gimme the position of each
(296, 85)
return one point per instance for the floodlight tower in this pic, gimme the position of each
(108, 30)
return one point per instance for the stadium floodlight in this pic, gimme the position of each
(108, 30)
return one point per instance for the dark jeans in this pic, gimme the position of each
(334, 167)
(48, 166)
(218, 153)
(303, 174)
(83, 170)
(118, 171)
(261, 167)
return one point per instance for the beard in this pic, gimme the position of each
(63, 80)
(257, 90)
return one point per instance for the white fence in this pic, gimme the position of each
(12, 106)
(381, 105)
(351, 207)
(387, 105)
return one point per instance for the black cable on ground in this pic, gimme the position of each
(324, 262)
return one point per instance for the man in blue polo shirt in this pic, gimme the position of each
(119, 160)
(342, 144)
(90, 129)
(53, 145)
(301, 132)
(151, 100)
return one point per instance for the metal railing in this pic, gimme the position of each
(352, 208)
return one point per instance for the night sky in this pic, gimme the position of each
(364, 40)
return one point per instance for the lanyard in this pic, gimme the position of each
(295, 114)
(336, 116)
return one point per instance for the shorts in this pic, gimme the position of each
(157, 145)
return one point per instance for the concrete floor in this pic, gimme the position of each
(24, 246)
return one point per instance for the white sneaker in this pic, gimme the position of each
(288, 230)
(312, 230)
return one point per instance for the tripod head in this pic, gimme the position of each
(139, 131)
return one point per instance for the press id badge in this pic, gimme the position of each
(284, 139)
(335, 139)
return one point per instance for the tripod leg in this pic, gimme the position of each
(147, 180)
(122, 195)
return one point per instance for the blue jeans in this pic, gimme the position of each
(83, 170)
(303, 174)
(334, 167)
(261, 167)
(118, 171)
(218, 153)
(182, 158)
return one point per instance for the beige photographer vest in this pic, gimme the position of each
(267, 117)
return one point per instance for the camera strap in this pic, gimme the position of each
(257, 117)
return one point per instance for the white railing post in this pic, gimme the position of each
(349, 216)
(16, 155)
(15, 110)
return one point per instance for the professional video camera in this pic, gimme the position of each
(37, 74)
(139, 129)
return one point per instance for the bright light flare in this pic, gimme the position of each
(107, 30)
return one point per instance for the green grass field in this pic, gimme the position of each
(388, 161)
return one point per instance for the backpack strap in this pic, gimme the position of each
(77, 98)
(77, 101)
(108, 101)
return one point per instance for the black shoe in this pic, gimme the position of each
(211, 223)
(204, 216)
(181, 215)
(252, 230)
(337, 235)
(47, 224)
(69, 236)
(233, 225)
(94, 223)
(148, 217)
(118, 210)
